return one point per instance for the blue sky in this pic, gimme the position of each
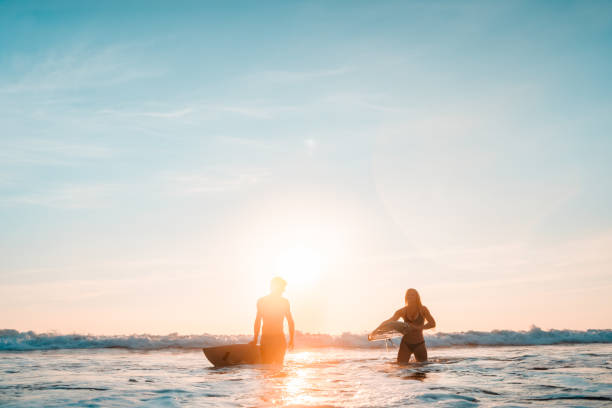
(151, 154)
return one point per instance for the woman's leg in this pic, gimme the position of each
(403, 354)
(420, 352)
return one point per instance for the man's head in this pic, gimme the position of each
(277, 285)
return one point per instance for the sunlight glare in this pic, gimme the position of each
(299, 265)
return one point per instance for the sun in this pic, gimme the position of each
(299, 265)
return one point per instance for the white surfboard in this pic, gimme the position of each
(389, 330)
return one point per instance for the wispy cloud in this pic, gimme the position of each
(66, 197)
(104, 269)
(52, 292)
(213, 180)
(311, 145)
(171, 113)
(258, 111)
(248, 142)
(284, 76)
(196, 110)
(6, 180)
(81, 68)
(515, 262)
(75, 290)
(361, 101)
(49, 152)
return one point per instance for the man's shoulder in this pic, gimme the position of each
(273, 300)
(267, 298)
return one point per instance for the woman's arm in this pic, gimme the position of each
(431, 323)
(395, 316)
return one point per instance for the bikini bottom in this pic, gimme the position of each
(407, 349)
(412, 347)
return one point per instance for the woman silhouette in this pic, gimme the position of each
(415, 315)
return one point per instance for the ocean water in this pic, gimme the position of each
(166, 371)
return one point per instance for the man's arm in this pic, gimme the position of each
(291, 326)
(257, 325)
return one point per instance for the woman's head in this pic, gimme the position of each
(412, 298)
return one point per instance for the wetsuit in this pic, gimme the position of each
(413, 341)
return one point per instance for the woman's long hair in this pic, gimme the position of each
(418, 306)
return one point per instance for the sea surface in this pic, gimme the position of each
(35, 375)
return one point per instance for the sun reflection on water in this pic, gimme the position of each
(296, 390)
(296, 383)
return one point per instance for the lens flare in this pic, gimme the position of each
(300, 265)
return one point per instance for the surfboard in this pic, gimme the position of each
(388, 330)
(233, 354)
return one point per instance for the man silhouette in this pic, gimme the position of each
(273, 309)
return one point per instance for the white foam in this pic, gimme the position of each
(13, 340)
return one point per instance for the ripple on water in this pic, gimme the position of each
(453, 378)
(555, 397)
(170, 391)
(45, 387)
(454, 400)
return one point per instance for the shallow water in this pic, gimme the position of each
(560, 375)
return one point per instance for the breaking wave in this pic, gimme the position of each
(13, 340)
